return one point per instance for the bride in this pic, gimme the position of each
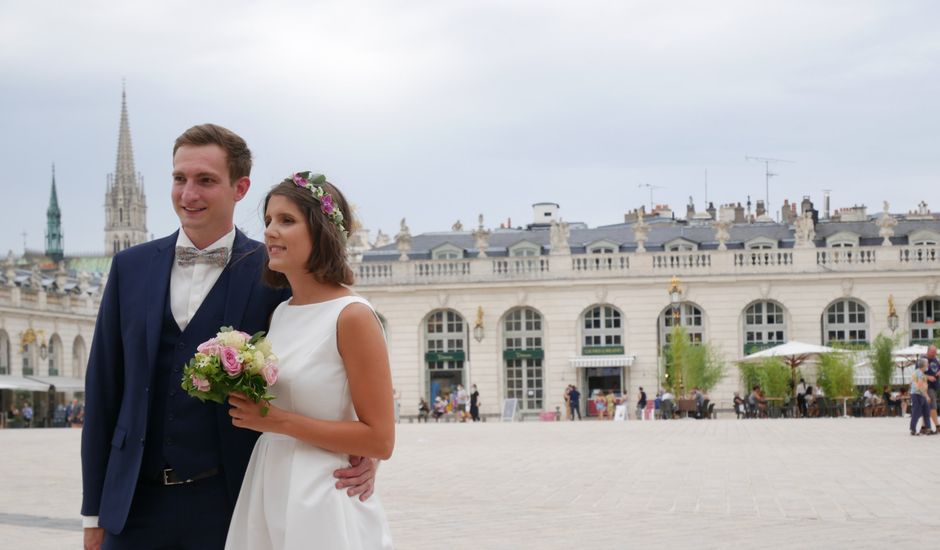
(334, 389)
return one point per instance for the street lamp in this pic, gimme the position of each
(675, 298)
(478, 325)
(892, 315)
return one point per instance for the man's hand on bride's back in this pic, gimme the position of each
(359, 478)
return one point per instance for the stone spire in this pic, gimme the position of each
(54, 236)
(125, 202)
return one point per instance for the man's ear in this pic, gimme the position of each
(241, 188)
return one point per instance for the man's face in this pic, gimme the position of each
(932, 351)
(203, 194)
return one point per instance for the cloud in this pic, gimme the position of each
(441, 110)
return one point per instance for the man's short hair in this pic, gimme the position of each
(237, 154)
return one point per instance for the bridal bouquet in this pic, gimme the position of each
(232, 361)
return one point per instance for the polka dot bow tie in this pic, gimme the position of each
(189, 255)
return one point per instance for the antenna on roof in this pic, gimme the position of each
(767, 175)
(651, 187)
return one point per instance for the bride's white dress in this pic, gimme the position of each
(289, 499)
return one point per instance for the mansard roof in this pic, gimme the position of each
(661, 232)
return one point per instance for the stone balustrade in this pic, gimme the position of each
(793, 261)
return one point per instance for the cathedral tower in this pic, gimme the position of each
(55, 240)
(125, 205)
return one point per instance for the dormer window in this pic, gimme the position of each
(524, 249)
(602, 247)
(761, 243)
(843, 239)
(680, 245)
(447, 252)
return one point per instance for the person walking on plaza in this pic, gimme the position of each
(801, 397)
(149, 451)
(640, 404)
(424, 410)
(475, 404)
(575, 402)
(933, 381)
(463, 403)
(27, 415)
(919, 399)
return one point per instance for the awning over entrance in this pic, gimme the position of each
(602, 361)
(10, 382)
(61, 383)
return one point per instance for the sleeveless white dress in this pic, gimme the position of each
(289, 500)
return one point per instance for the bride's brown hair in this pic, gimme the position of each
(328, 261)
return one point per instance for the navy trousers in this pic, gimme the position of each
(193, 516)
(919, 408)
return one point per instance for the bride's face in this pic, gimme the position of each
(286, 236)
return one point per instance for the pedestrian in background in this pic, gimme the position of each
(640, 404)
(575, 402)
(919, 399)
(475, 404)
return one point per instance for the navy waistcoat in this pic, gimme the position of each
(183, 432)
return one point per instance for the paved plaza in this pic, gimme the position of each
(820, 483)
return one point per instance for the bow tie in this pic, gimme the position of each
(189, 255)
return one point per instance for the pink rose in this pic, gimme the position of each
(209, 347)
(269, 371)
(299, 180)
(201, 384)
(230, 361)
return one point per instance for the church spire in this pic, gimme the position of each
(54, 236)
(125, 203)
(124, 173)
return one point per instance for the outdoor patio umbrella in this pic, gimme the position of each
(906, 357)
(793, 354)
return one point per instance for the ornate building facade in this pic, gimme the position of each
(523, 312)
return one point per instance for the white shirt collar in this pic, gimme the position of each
(227, 240)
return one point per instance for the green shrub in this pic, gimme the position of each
(836, 375)
(882, 362)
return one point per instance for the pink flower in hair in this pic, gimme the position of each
(326, 204)
(300, 181)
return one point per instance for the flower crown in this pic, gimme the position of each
(315, 182)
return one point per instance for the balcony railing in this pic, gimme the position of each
(790, 261)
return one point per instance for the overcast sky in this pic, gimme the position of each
(442, 110)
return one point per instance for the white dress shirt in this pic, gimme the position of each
(190, 284)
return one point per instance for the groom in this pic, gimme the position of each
(161, 469)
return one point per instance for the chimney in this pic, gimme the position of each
(826, 205)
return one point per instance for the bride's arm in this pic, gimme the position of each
(362, 347)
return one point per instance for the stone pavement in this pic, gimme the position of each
(821, 483)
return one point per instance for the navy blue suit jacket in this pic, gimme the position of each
(121, 366)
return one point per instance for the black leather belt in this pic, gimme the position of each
(169, 477)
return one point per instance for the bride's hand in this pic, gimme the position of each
(247, 414)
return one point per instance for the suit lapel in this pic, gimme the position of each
(244, 273)
(158, 280)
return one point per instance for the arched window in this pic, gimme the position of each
(689, 316)
(78, 357)
(603, 331)
(445, 345)
(845, 321)
(4, 352)
(55, 355)
(764, 326)
(523, 356)
(924, 327)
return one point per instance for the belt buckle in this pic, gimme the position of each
(167, 472)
